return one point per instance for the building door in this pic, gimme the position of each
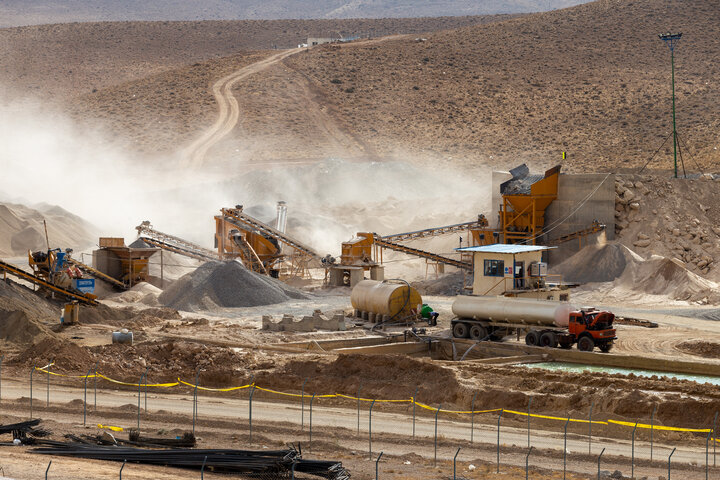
(519, 275)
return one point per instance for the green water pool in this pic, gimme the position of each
(579, 368)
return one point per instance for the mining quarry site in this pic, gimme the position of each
(228, 252)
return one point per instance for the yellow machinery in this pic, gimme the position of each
(126, 264)
(261, 247)
(525, 198)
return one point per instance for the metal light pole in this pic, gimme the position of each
(672, 39)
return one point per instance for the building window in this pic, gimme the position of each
(494, 268)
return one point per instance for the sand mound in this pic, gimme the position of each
(597, 263)
(448, 285)
(143, 292)
(700, 348)
(19, 327)
(665, 276)
(225, 284)
(66, 354)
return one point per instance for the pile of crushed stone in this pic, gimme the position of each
(597, 263)
(225, 285)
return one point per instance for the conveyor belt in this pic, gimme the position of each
(174, 244)
(13, 270)
(595, 227)
(96, 273)
(249, 254)
(238, 216)
(432, 232)
(381, 242)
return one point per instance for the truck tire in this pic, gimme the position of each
(548, 339)
(586, 344)
(532, 338)
(605, 347)
(460, 330)
(477, 332)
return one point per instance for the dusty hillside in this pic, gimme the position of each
(593, 80)
(18, 12)
(66, 60)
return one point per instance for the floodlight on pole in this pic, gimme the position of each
(671, 40)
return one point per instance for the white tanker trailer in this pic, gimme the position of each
(546, 323)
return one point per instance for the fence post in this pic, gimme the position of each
(599, 457)
(669, 457)
(95, 386)
(121, 468)
(528, 419)
(527, 463)
(370, 428)
(197, 378)
(707, 455)
(498, 442)
(146, 386)
(31, 393)
(436, 420)
(85, 397)
(311, 405)
(1, 360)
(302, 407)
(47, 401)
(455, 461)
(252, 392)
(592, 404)
(47, 469)
(139, 396)
(565, 449)
(714, 438)
(632, 458)
(358, 408)
(472, 417)
(652, 427)
(414, 405)
(376, 465)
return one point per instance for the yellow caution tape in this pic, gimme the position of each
(43, 369)
(228, 389)
(433, 409)
(564, 419)
(661, 427)
(378, 400)
(174, 384)
(110, 427)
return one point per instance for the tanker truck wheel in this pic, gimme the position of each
(532, 338)
(477, 332)
(605, 347)
(586, 344)
(460, 330)
(548, 339)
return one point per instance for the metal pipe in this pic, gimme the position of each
(1, 360)
(652, 427)
(95, 385)
(139, 396)
(592, 404)
(527, 463)
(436, 422)
(146, 386)
(358, 408)
(121, 468)
(370, 428)
(376, 465)
(715, 438)
(197, 378)
(47, 469)
(472, 417)
(599, 457)
(707, 455)
(671, 454)
(202, 469)
(47, 401)
(498, 441)
(85, 397)
(454, 462)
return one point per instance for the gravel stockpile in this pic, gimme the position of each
(225, 284)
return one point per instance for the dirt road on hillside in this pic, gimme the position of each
(228, 109)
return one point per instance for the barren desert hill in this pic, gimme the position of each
(61, 61)
(21, 12)
(592, 80)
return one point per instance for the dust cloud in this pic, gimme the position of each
(47, 158)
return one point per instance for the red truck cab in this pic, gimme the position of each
(590, 328)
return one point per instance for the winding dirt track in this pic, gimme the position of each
(228, 109)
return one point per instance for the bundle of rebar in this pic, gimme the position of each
(218, 460)
(21, 429)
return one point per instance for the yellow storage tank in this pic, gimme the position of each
(388, 300)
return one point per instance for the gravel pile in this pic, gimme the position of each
(225, 284)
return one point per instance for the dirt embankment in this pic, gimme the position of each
(700, 348)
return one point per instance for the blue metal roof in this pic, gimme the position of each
(505, 248)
